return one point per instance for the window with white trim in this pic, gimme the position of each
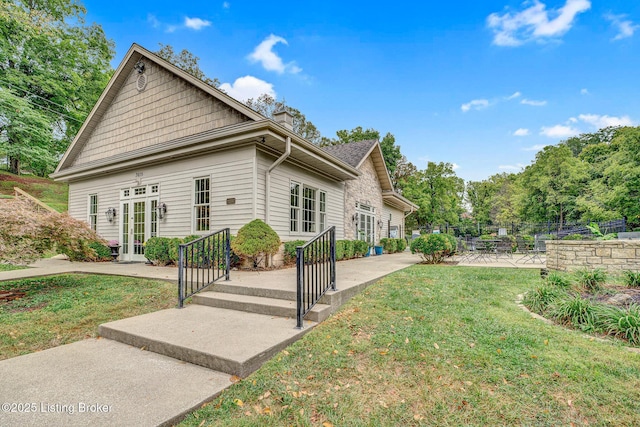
(295, 207)
(93, 211)
(323, 210)
(308, 209)
(201, 203)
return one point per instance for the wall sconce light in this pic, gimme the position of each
(139, 67)
(110, 214)
(354, 218)
(380, 223)
(162, 210)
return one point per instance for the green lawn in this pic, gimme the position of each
(58, 310)
(54, 194)
(442, 346)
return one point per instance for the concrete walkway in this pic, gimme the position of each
(106, 382)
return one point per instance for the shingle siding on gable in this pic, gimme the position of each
(168, 108)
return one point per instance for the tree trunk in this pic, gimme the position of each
(14, 165)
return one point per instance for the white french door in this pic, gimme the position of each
(138, 222)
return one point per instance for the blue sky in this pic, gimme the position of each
(480, 84)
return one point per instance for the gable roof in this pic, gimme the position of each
(352, 153)
(355, 153)
(257, 129)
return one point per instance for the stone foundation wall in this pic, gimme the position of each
(610, 255)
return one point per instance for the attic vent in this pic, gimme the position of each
(141, 82)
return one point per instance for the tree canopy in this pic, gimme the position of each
(53, 68)
(186, 61)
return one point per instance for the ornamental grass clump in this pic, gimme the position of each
(620, 322)
(577, 312)
(255, 241)
(558, 280)
(539, 299)
(591, 280)
(631, 278)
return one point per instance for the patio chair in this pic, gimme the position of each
(524, 249)
(539, 249)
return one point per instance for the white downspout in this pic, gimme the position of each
(279, 160)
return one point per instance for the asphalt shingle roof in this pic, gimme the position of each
(351, 153)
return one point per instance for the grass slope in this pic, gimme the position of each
(437, 345)
(54, 194)
(58, 310)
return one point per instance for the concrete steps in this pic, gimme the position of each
(230, 341)
(260, 305)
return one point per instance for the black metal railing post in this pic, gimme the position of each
(315, 275)
(199, 263)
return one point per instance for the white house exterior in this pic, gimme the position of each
(173, 156)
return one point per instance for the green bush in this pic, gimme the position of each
(574, 237)
(431, 247)
(360, 247)
(389, 245)
(453, 242)
(340, 250)
(631, 279)
(401, 245)
(156, 249)
(349, 249)
(255, 240)
(103, 253)
(290, 250)
(174, 244)
(591, 280)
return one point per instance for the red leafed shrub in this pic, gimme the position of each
(27, 233)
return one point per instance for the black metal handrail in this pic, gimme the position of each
(316, 271)
(202, 262)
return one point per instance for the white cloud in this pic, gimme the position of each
(248, 87)
(226, 5)
(516, 167)
(605, 121)
(534, 23)
(196, 23)
(584, 91)
(151, 19)
(559, 131)
(536, 147)
(533, 103)
(521, 132)
(264, 54)
(514, 96)
(476, 104)
(625, 28)
(455, 166)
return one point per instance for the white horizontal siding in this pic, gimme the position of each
(397, 219)
(231, 177)
(279, 196)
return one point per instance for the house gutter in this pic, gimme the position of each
(275, 164)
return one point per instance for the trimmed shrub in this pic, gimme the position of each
(401, 245)
(631, 279)
(431, 247)
(103, 253)
(174, 244)
(360, 247)
(156, 249)
(340, 254)
(349, 249)
(389, 245)
(290, 250)
(454, 244)
(574, 237)
(255, 240)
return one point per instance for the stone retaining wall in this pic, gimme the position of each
(609, 255)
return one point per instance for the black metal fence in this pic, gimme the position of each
(316, 271)
(202, 262)
(552, 229)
